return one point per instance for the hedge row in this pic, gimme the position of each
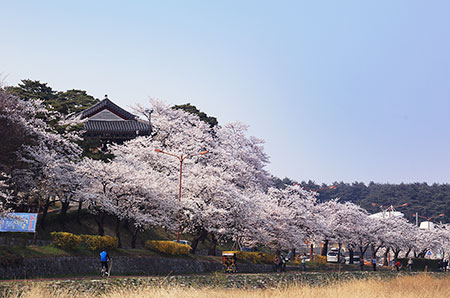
(255, 257)
(168, 247)
(69, 241)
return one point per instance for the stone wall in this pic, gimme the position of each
(122, 265)
(9, 241)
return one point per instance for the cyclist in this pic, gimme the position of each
(104, 258)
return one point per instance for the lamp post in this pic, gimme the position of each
(430, 218)
(390, 208)
(181, 158)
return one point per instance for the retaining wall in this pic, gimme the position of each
(122, 265)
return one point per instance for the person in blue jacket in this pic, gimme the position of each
(104, 258)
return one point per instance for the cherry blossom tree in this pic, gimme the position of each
(129, 193)
(213, 184)
(34, 152)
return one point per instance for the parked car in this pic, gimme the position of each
(332, 256)
(184, 242)
(356, 259)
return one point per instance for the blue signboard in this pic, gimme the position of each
(18, 222)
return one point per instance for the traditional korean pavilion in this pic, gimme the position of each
(108, 123)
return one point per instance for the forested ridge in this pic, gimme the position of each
(427, 200)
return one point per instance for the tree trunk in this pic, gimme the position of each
(350, 261)
(134, 237)
(385, 261)
(292, 254)
(201, 236)
(44, 213)
(361, 256)
(62, 215)
(396, 253)
(100, 220)
(339, 253)
(423, 253)
(407, 253)
(118, 232)
(80, 204)
(126, 224)
(212, 245)
(324, 250)
(374, 252)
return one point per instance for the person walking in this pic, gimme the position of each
(374, 263)
(304, 262)
(277, 262)
(397, 265)
(410, 263)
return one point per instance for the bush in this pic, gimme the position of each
(168, 247)
(65, 240)
(94, 242)
(322, 260)
(255, 257)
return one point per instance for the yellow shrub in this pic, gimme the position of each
(320, 259)
(94, 242)
(65, 240)
(168, 247)
(255, 257)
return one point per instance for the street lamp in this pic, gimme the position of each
(430, 218)
(181, 158)
(390, 208)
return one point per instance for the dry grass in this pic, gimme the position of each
(403, 287)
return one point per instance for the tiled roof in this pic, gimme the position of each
(124, 126)
(107, 104)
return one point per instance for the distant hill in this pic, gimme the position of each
(427, 200)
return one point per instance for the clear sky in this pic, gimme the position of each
(340, 90)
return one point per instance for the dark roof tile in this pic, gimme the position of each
(107, 104)
(125, 126)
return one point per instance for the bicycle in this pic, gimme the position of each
(106, 270)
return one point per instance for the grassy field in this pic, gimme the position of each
(422, 285)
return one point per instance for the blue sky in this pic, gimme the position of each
(340, 90)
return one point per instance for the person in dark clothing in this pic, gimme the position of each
(397, 265)
(374, 264)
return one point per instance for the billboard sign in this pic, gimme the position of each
(18, 222)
